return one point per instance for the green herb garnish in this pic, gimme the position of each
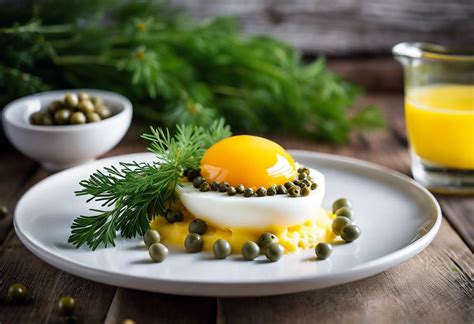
(136, 192)
(174, 69)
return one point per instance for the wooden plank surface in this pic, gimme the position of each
(435, 286)
(344, 27)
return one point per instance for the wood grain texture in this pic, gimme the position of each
(348, 26)
(433, 287)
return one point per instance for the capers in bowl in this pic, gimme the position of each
(66, 305)
(73, 109)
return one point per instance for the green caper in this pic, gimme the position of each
(294, 191)
(86, 106)
(250, 250)
(223, 186)
(158, 252)
(323, 250)
(267, 238)
(77, 118)
(3, 212)
(193, 174)
(248, 192)
(274, 252)
(66, 305)
(197, 181)
(302, 176)
(281, 190)
(150, 237)
(350, 232)
(97, 101)
(193, 243)
(221, 249)
(92, 117)
(62, 116)
(314, 185)
(36, 117)
(83, 96)
(342, 202)
(46, 120)
(306, 183)
(306, 170)
(338, 223)
(288, 185)
(271, 191)
(305, 191)
(215, 186)
(231, 191)
(103, 111)
(173, 215)
(17, 293)
(204, 186)
(55, 106)
(71, 100)
(198, 226)
(240, 189)
(345, 211)
(300, 170)
(297, 183)
(261, 192)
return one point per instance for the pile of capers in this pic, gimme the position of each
(158, 252)
(300, 187)
(342, 223)
(73, 109)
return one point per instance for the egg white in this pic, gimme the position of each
(258, 213)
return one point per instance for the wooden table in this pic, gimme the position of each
(435, 286)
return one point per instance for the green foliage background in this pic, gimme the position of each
(174, 70)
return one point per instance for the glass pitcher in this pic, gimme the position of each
(439, 113)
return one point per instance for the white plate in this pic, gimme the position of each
(397, 216)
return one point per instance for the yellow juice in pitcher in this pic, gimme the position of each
(440, 124)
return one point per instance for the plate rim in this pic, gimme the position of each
(219, 288)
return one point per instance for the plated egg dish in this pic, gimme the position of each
(213, 192)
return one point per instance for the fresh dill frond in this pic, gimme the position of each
(134, 193)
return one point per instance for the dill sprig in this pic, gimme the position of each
(133, 193)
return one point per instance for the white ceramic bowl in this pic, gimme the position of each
(60, 147)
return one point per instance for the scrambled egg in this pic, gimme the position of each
(293, 238)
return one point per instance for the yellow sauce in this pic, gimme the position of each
(294, 238)
(440, 124)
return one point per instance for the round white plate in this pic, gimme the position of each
(397, 216)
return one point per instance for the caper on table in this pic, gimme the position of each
(173, 215)
(323, 250)
(341, 202)
(17, 293)
(198, 226)
(338, 223)
(345, 211)
(193, 243)
(3, 211)
(250, 250)
(158, 252)
(274, 252)
(267, 238)
(66, 305)
(221, 249)
(350, 232)
(151, 236)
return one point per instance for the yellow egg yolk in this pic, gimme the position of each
(248, 160)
